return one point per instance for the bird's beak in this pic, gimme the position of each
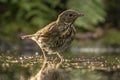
(80, 14)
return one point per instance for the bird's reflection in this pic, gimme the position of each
(51, 70)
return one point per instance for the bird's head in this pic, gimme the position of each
(69, 16)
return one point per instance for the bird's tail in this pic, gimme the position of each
(26, 36)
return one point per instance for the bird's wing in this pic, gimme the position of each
(48, 31)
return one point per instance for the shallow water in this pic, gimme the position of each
(80, 67)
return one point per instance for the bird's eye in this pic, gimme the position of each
(70, 15)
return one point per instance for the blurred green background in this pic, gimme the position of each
(99, 28)
(101, 22)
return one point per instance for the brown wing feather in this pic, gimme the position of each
(48, 31)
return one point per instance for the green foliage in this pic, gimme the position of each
(36, 12)
(93, 9)
(113, 10)
(10, 30)
(25, 16)
(111, 37)
(30, 15)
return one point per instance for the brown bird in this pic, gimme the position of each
(58, 35)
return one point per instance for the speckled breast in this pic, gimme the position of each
(59, 43)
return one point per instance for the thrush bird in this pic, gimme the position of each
(58, 35)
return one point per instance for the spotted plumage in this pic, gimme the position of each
(58, 35)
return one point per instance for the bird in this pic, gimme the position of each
(57, 36)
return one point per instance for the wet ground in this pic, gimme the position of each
(81, 67)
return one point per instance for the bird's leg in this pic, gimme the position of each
(61, 58)
(43, 66)
(44, 56)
